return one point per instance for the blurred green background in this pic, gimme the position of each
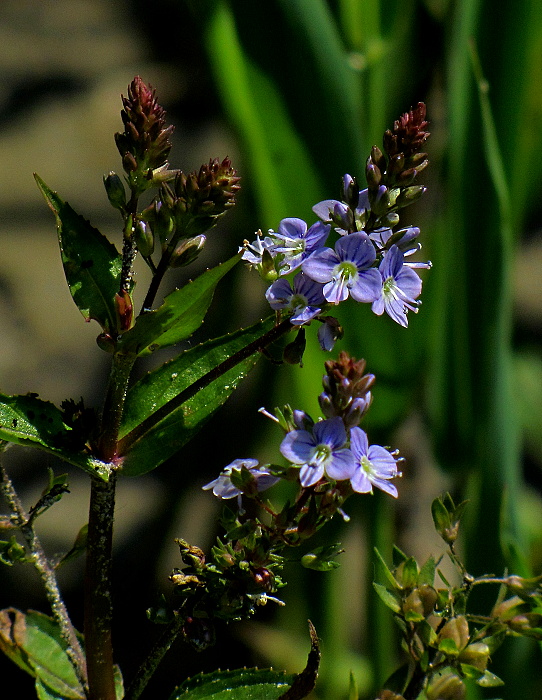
(296, 92)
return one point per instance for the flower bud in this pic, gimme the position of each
(457, 630)
(115, 190)
(447, 687)
(373, 175)
(476, 655)
(408, 195)
(293, 352)
(187, 251)
(144, 238)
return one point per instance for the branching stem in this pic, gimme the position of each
(47, 575)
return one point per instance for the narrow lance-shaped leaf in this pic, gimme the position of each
(179, 316)
(146, 451)
(92, 264)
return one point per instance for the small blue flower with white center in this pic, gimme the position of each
(223, 487)
(296, 242)
(305, 300)
(375, 465)
(347, 270)
(400, 287)
(320, 452)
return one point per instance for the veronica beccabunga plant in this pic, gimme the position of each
(358, 249)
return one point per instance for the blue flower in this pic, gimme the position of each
(339, 213)
(400, 287)
(223, 487)
(253, 252)
(305, 300)
(346, 270)
(296, 242)
(319, 452)
(375, 466)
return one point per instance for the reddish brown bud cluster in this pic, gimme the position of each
(210, 191)
(145, 142)
(194, 201)
(408, 134)
(346, 380)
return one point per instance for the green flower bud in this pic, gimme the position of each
(446, 687)
(457, 630)
(144, 238)
(409, 195)
(187, 251)
(476, 655)
(115, 190)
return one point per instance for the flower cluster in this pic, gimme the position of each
(367, 256)
(332, 450)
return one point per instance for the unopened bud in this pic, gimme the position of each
(144, 238)
(187, 251)
(293, 352)
(456, 629)
(409, 195)
(476, 655)
(448, 687)
(378, 157)
(115, 190)
(373, 175)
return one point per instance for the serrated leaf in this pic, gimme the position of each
(243, 684)
(92, 264)
(391, 600)
(34, 642)
(29, 420)
(180, 315)
(162, 440)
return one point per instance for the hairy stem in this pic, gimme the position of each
(157, 653)
(98, 596)
(47, 575)
(113, 406)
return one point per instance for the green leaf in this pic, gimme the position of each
(11, 551)
(29, 420)
(427, 572)
(160, 441)
(390, 599)
(322, 558)
(383, 568)
(34, 643)
(410, 573)
(92, 264)
(243, 684)
(489, 680)
(179, 316)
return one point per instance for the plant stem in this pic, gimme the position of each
(98, 595)
(157, 653)
(190, 391)
(113, 406)
(48, 577)
(98, 598)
